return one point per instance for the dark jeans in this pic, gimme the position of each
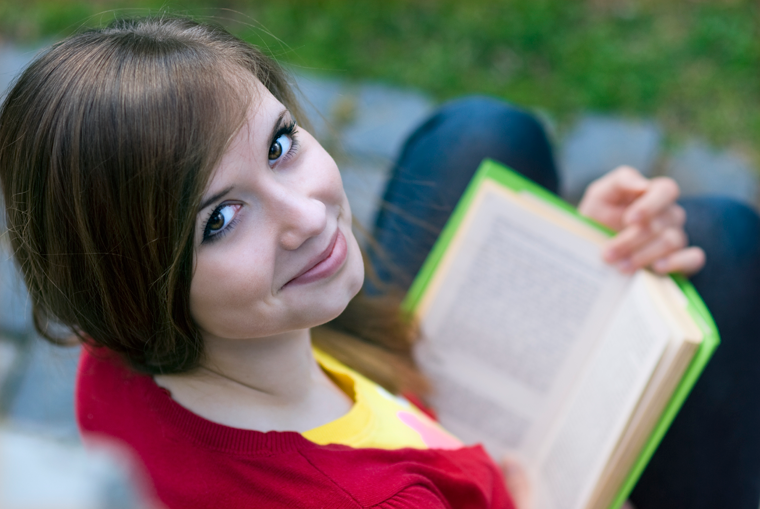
(710, 457)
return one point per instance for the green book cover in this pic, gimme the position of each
(493, 171)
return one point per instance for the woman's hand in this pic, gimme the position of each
(517, 482)
(648, 220)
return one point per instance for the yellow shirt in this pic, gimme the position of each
(378, 419)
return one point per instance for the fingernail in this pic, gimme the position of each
(660, 265)
(624, 266)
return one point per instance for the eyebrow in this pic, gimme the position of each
(214, 198)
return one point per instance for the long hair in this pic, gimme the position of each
(107, 142)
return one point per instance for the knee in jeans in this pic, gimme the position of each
(730, 228)
(461, 133)
(481, 115)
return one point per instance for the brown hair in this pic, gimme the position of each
(107, 142)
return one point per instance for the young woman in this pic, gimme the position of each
(166, 205)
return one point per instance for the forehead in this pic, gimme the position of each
(250, 143)
(264, 111)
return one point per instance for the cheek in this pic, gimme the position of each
(356, 279)
(229, 291)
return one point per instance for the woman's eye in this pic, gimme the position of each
(219, 220)
(281, 146)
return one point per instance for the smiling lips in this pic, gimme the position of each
(326, 264)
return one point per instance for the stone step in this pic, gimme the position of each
(596, 144)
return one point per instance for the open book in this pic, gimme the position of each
(538, 348)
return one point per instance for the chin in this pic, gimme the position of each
(326, 315)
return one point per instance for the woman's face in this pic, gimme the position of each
(274, 247)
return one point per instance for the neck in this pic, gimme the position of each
(263, 384)
(281, 367)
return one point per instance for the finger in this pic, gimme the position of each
(686, 261)
(624, 244)
(622, 184)
(667, 243)
(661, 194)
(607, 199)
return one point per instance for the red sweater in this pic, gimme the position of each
(196, 463)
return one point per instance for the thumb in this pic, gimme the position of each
(517, 482)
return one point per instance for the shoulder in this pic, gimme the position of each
(106, 390)
(105, 383)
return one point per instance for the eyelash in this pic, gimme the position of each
(207, 239)
(291, 130)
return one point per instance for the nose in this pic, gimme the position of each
(300, 218)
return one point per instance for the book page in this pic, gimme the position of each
(509, 321)
(685, 338)
(604, 401)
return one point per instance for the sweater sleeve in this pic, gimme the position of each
(414, 497)
(464, 478)
(420, 497)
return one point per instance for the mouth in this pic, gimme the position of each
(324, 264)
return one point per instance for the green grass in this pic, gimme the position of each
(694, 66)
